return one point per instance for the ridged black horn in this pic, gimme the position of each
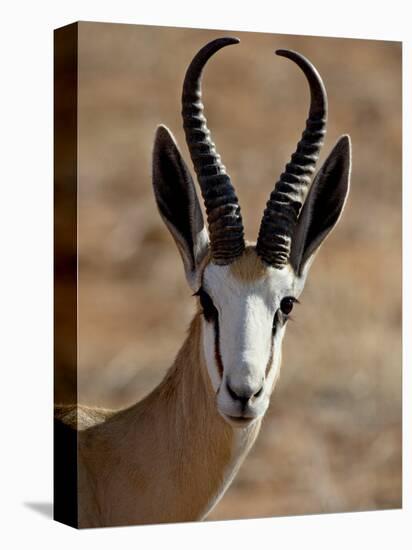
(287, 198)
(222, 205)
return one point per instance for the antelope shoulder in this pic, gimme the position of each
(80, 417)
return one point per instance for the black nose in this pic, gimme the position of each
(244, 395)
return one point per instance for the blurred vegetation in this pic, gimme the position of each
(331, 440)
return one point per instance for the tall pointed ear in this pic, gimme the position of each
(323, 206)
(178, 204)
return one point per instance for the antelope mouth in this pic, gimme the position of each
(239, 421)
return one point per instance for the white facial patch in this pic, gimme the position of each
(249, 347)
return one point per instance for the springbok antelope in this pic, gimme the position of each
(171, 456)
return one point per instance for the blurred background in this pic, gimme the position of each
(331, 441)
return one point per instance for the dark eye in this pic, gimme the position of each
(209, 310)
(286, 305)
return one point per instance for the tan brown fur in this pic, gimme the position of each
(165, 459)
(249, 267)
(81, 417)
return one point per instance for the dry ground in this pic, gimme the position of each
(331, 441)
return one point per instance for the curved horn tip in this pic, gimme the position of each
(228, 40)
(287, 53)
(300, 60)
(214, 45)
(317, 87)
(292, 54)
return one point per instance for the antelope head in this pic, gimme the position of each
(247, 291)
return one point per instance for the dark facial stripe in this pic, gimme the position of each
(270, 361)
(218, 356)
(211, 315)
